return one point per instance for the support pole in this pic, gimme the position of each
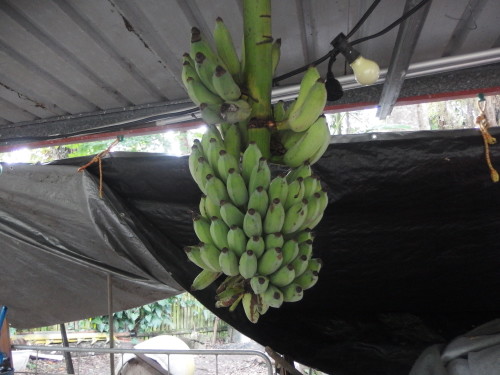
(111, 325)
(67, 355)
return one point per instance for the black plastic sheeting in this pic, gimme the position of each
(410, 244)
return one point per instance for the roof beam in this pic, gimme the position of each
(408, 34)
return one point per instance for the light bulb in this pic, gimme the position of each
(365, 71)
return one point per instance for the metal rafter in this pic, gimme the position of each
(408, 34)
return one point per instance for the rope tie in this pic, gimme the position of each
(482, 122)
(98, 159)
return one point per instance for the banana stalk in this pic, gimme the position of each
(258, 70)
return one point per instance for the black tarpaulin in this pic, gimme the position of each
(410, 244)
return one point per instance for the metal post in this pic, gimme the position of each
(67, 355)
(111, 325)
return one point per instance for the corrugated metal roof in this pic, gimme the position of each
(67, 57)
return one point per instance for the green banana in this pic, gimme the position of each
(211, 132)
(211, 208)
(202, 207)
(237, 240)
(236, 303)
(279, 111)
(283, 276)
(289, 138)
(294, 217)
(316, 221)
(270, 261)
(321, 150)
(257, 245)
(304, 170)
(199, 44)
(252, 223)
(224, 84)
(228, 262)
(225, 48)
(260, 176)
(199, 93)
(259, 200)
(259, 284)
(203, 169)
(204, 279)
(295, 193)
(307, 280)
(262, 307)
(323, 200)
(250, 159)
(195, 154)
(275, 54)
(313, 210)
(218, 231)
(202, 228)
(232, 141)
(304, 235)
(231, 214)
(302, 117)
(274, 217)
(306, 248)
(272, 297)
(290, 250)
(278, 188)
(237, 188)
(274, 240)
(300, 265)
(188, 71)
(250, 306)
(292, 293)
(210, 255)
(186, 57)
(308, 144)
(210, 113)
(205, 68)
(214, 147)
(215, 189)
(310, 185)
(248, 264)
(225, 162)
(193, 254)
(315, 264)
(235, 111)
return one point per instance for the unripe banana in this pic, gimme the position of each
(257, 245)
(225, 48)
(231, 214)
(248, 264)
(235, 111)
(195, 154)
(259, 201)
(204, 279)
(193, 254)
(275, 54)
(252, 223)
(292, 293)
(205, 68)
(283, 276)
(272, 297)
(307, 280)
(294, 217)
(274, 240)
(306, 248)
(274, 217)
(313, 210)
(295, 193)
(214, 147)
(202, 228)
(210, 113)
(310, 185)
(228, 262)
(270, 261)
(202, 207)
(323, 200)
(278, 111)
(250, 306)
(315, 264)
(232, 141)
(250, 159)
(309, 143)
(210, 255)
(237, 188)
(236, 303)
(289, 138)
(216, 190)
(290, 250)
(308, 80)
(237, 240)
(262, 308)
(224, 84)
(199, 44)
(304, 235)
(260, 176)
(304, 170)
(211, 208)
(199, 93)
(321, 150)
(225, 162)
(259, 284)
(316, 221)
(188, 71)
(202, 170)
(211, 132)
(186, 57)
(218, 231)
(302, 117)
(300, 265)
(278, 188)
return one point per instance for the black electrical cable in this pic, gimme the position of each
(363, 18)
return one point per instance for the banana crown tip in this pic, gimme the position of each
(219, 19)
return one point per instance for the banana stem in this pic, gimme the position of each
(258, 69)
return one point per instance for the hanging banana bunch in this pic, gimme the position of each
(254, 228)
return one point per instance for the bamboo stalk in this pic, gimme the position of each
(258, 69)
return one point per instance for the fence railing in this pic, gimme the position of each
(212, 352)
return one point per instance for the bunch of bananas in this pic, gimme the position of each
(253, 227)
